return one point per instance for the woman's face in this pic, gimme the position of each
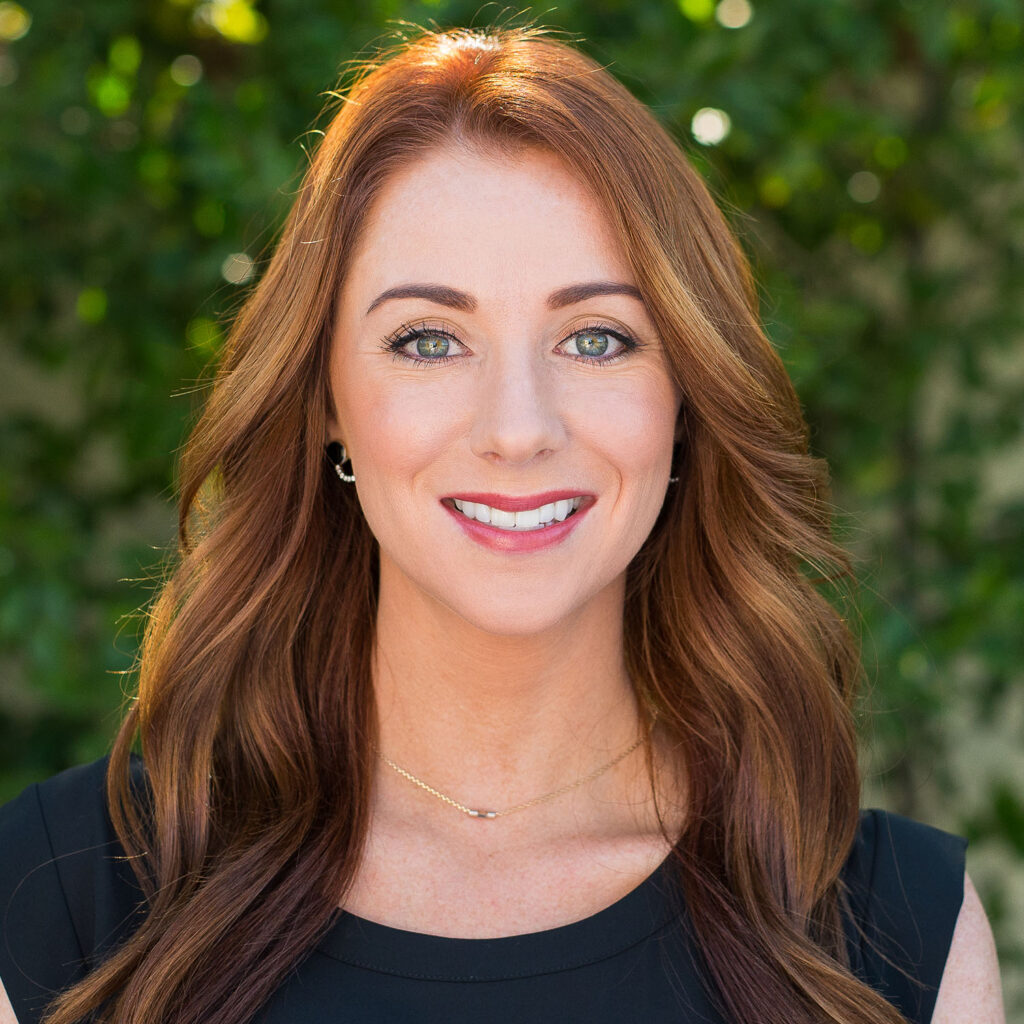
(491, 353)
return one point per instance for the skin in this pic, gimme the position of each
(970, 989)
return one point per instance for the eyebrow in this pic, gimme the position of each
(578, 292)
(452, 297)
(439, 293)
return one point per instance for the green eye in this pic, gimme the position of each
(432, 346)
(591, 343)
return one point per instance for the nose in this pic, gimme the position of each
(517, 416)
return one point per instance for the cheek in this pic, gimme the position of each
(633, 424)
(392, 424)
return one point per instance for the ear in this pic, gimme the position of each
(332, 426)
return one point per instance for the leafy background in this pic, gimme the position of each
(868, 152)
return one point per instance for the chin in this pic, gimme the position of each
(510, 618)
(445, 596)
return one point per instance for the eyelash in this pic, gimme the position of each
(394, 343)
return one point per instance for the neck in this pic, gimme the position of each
(497, 720)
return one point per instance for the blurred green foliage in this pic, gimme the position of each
(869, 153)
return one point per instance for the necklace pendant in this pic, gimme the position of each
(483, 814)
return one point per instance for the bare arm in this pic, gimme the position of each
(6, 1010)
(970, 988)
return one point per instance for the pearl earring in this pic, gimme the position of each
(337, 454)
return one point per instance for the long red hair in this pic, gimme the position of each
(259, 769)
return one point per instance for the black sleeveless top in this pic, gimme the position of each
(66, 898)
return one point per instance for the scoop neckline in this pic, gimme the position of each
(359, 942)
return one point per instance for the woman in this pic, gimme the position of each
(492, 625)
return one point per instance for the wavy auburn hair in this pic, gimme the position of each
(255, 707)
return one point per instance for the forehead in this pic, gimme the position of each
(485, 221)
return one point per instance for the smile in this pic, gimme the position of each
(520, 522)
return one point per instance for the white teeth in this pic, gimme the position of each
(531, 519)
(506, 520)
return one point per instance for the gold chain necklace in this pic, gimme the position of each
(529, 803)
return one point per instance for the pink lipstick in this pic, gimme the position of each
(559, 513)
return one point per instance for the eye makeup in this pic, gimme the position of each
(398, 341)
(627, 343)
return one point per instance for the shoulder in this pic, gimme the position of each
(67, 894)
(970, 988)
(904, 887)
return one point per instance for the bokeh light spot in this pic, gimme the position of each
(697, 10)
(890, 151)
(15, 21)
(774, 191)
(204, 334)
(235, 20)
(913, 664)
(733, 13)
(91, 305)
(864, 187)
(868, 236)
(710, 125)
(155, 166)
(186, 70)
(237, 268)
(125, 55)
(110, 93)
(209, 218)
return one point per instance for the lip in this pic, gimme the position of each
(510, 503)
(512, 541)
